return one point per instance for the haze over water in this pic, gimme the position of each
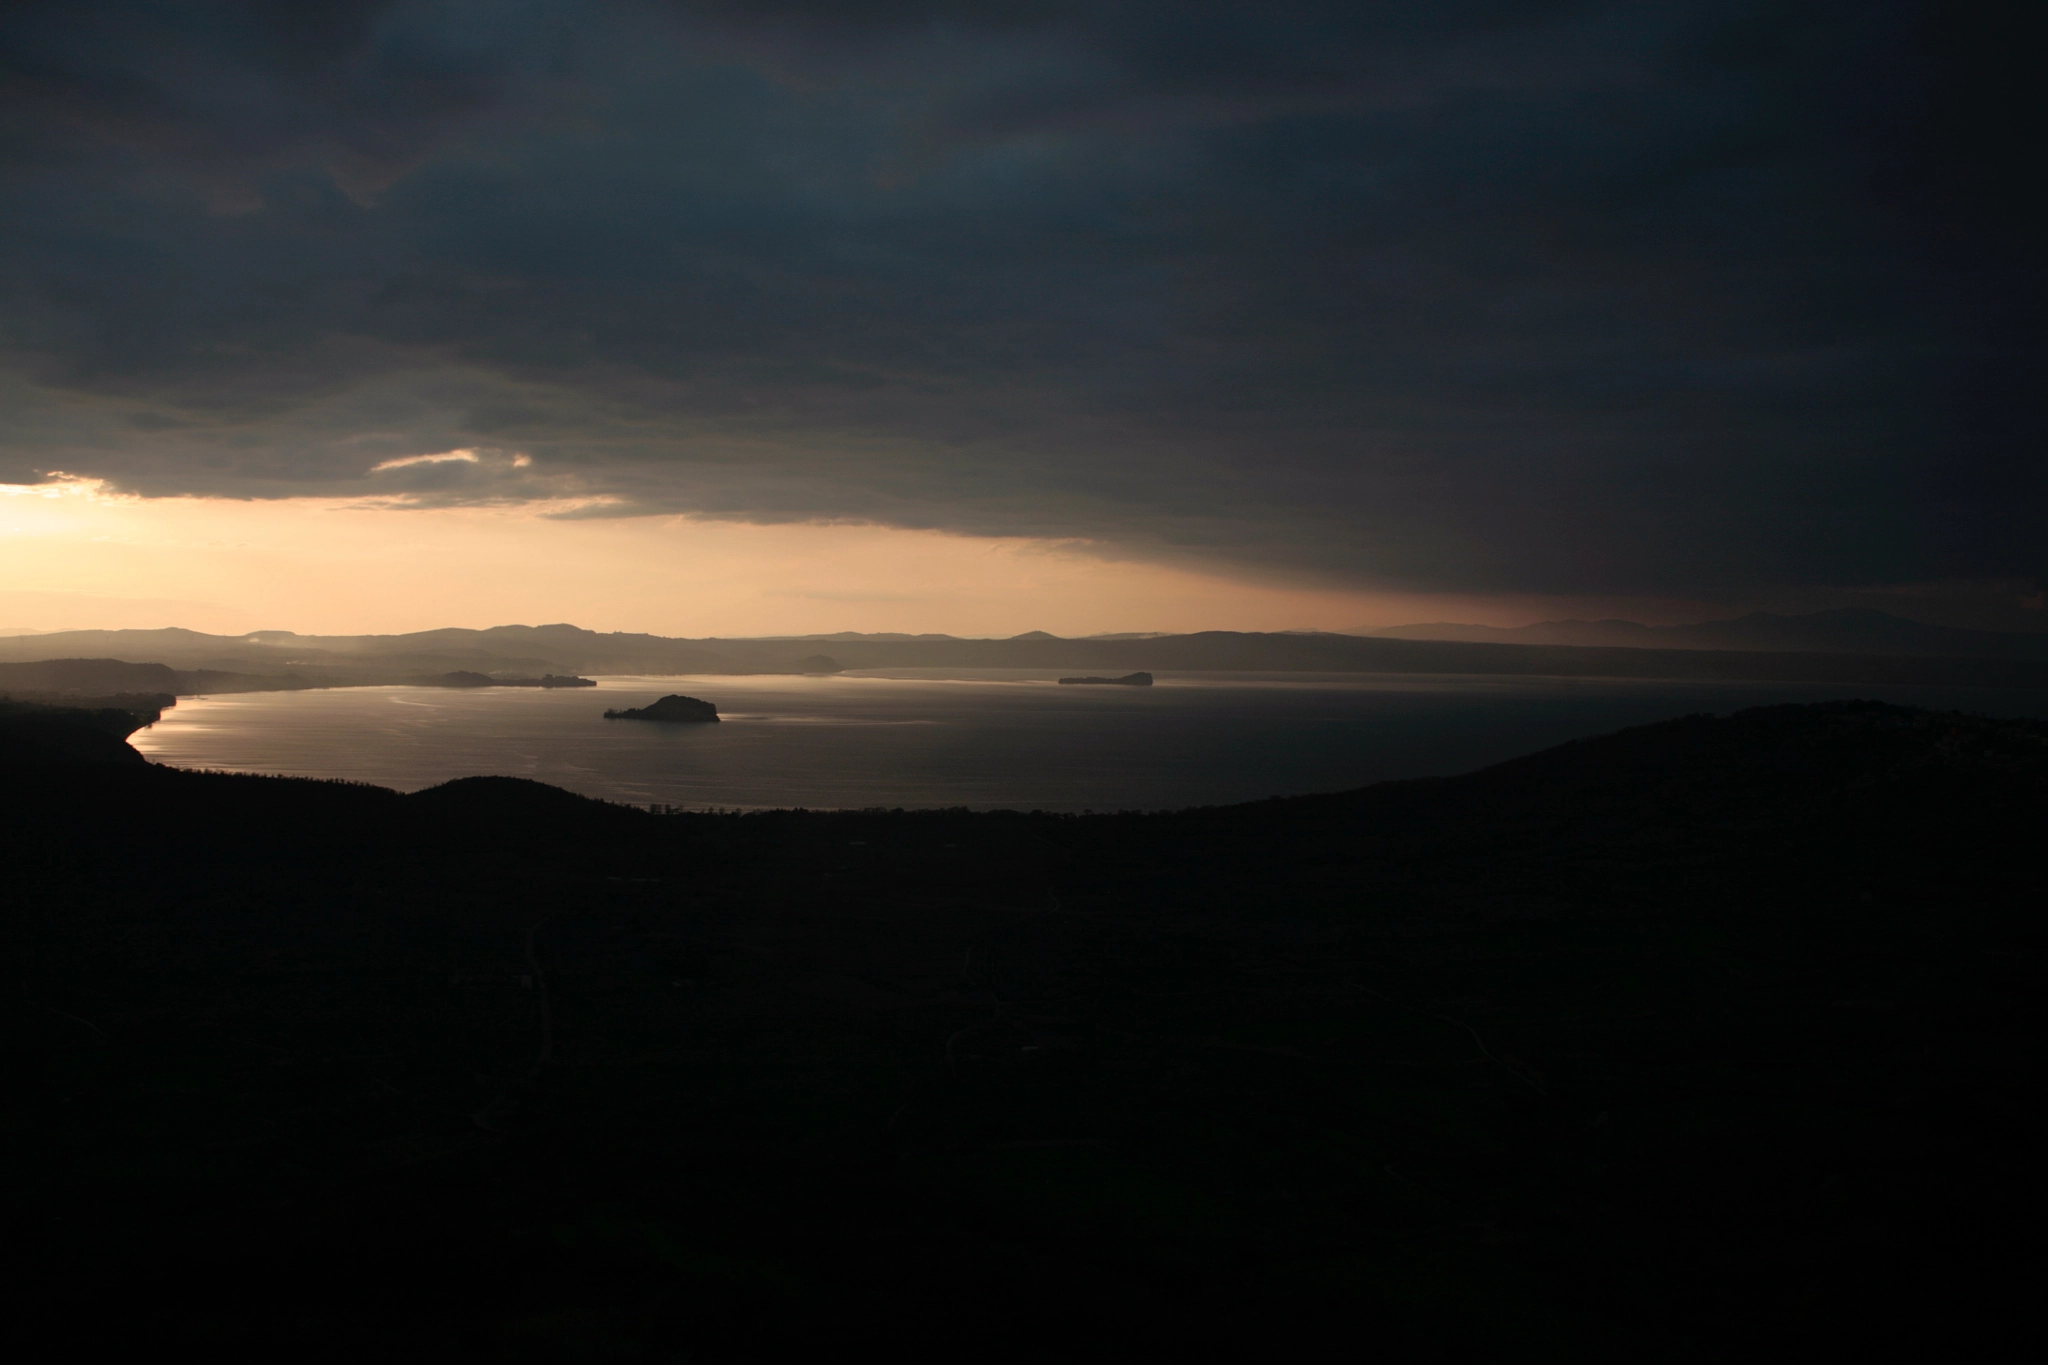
(983, 738)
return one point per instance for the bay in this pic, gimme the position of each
(990, 738)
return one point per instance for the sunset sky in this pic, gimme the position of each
(789, 316)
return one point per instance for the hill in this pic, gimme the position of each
(1709, 1039)
(1848, 630)
(35, 735)
(57, 678)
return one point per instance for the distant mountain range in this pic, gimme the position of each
(1848, 630)
(105, 662)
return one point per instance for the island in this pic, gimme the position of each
(686, 710)
(466, 678)
(1127, 680)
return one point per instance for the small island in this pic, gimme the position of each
(465, 678)
(685, 710)
(1127, 680)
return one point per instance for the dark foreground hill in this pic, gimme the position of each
(1712, 1039)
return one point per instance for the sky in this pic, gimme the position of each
(790, 315)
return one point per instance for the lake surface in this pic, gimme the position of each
(983, 738)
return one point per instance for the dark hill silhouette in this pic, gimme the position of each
(487, 811)
(1845, 630)
(37, 736)
(1712, 1039)
(88, 675)
(101, 677)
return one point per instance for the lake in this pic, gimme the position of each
(987, 738)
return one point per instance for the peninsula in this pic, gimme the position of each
(1127, 680)
(673, 708)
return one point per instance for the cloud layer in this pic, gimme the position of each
(1539, 297)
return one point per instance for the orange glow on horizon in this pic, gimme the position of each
(75, 556)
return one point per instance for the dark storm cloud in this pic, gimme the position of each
(1540, 297)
